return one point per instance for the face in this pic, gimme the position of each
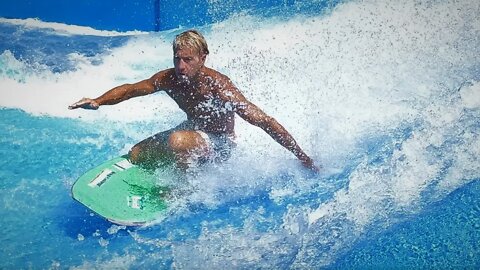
(188, 62)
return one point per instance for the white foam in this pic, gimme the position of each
(470, 95)
(42, 92)
(61, 28)
(397, 56)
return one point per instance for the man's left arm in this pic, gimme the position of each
(255, 116)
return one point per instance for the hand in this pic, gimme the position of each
(307, 162)
(85, 103)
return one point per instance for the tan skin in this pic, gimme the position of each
(209, 99)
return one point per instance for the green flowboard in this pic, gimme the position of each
(121, 192)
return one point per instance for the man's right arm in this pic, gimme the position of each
(122, 93)
(255, 116)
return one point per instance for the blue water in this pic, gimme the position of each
(384, 95)
(443, 236)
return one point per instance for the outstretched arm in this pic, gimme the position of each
(120, 93)
(255, 116)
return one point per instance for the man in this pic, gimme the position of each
(210, 101)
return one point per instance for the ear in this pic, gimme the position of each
(204, 57)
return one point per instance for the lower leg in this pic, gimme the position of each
(150, 152)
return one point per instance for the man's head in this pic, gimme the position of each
(189, 53)
(191, 39)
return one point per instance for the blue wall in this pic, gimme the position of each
(124, 15)
(120, 15)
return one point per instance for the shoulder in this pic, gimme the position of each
(214, 76)
(163, 79)
(224, 88)
(218, 82)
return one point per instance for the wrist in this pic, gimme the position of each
(98, 101)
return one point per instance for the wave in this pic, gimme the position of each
(65, 29)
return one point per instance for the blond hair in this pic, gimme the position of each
(192, 39)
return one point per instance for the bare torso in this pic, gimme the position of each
(201, 100)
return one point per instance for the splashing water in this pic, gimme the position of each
(385, 95)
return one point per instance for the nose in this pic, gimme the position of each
(181, 65)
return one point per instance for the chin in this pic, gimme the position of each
(183, 78)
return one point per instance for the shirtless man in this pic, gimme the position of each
(209, 99)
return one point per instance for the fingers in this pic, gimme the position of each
(77, 104)
(74, 106)
(308, 163)
(85, 103)
(315, 168)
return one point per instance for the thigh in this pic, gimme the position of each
(155, 141)
(152, 149)
(159, 141)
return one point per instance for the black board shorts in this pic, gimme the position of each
(222, 146)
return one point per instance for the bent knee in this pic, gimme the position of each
(186, 141)
(134, 154)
